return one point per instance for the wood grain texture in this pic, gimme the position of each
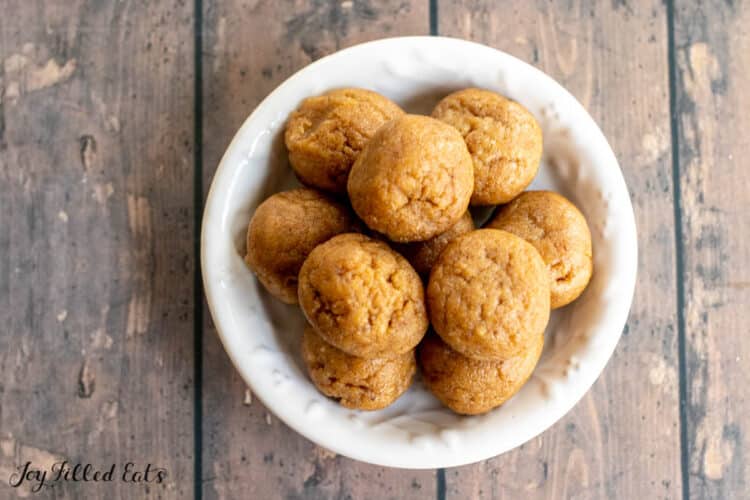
(96, 114)
(249, 48)
(96, 242)
(622, 439)
(711, 103)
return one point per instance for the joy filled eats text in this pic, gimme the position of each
(37, 478)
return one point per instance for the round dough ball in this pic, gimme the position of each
(504, 139)
(472, 386)
(283, 231)
(363, 297)
(359, 383)
(558, 230)
(488, 294)
(326, 134)
(423, 254)
(413, 180)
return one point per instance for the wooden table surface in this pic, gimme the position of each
(113, 117)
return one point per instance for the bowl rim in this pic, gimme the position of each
(211, 211)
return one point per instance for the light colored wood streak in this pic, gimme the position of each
(96, 211)
(249, 48)
(713, 62)
(622, 439)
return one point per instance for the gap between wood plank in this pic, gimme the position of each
(440, 473)
(679, 259)
(433, 17)
(440, 489)
(197, 281)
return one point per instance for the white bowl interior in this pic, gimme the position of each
(262, 335)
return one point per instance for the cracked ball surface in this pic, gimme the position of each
(558, 230)
(503, 137)
(471, 386)
(283, 231)
(358, 383)
(363, 297)
(413, 180)
(326, 134)
(488, 294)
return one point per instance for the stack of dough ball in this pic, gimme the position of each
(489, 301)
(504, 139)
(558, 230)
(283, 231)
(326, 134)
(366, 306)
(413, 180)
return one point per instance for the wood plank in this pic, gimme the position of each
(96, 127)
(712, 67)
(622, 439)
(248, 50)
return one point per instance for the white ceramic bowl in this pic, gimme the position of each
(262, 335)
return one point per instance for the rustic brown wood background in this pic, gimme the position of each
(113, 116)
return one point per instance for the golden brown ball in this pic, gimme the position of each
(326, 134)
(423, 254)
(413, 180)
(504, 139)
(358, 383)
(283, 231)
(472, 386)
(488, 294)
(363, 297)
(558, 230)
